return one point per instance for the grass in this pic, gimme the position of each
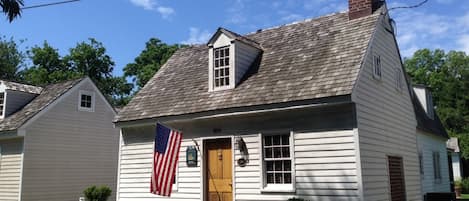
(464, 196)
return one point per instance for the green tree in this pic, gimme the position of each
(48, 67)
(11, 8)
(87, 58)
(447, 75)
(11, 59)
(155, 54)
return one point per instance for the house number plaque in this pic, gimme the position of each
(191, 156)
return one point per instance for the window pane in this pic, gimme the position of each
(278, 178)
(287, 165)
(216, 73)
(222, 83)
(227, 81)
(277, 152)
(270, 178)
(268, 152)
(217, 82)
(270, 166)
(221, 63)
(285, 139)
(216, 63)
(278, 166)
(287, 178)
(276, 139)
(222, 53)
(227, 61)
(216, 54)
(227, 52)
(83, 104)
(222, 72)
(267, 140)
(285, 152)
(227, 71)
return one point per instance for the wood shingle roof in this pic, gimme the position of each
(306, 60)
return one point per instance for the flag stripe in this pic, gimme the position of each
(165, 160)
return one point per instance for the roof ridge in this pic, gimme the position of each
(295, 22)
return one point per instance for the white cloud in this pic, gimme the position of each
(145, 4)
(196, 36)
(463, 42)
(292, 17)
(164, 11)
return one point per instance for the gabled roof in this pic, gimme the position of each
(424, 123)
(305, 60)
(48, 95)
(233, 36)
(21, 87)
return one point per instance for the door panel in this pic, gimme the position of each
(218, 170)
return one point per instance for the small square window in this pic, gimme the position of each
(86, 101)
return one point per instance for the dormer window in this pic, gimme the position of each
(86, 101)
(221, 66)
(2, 104)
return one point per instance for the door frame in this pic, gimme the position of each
(203, 168)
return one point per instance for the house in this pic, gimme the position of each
(431, 140)
(55, 141)
(318, 109)
(454, 153)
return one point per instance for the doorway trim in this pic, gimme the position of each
(203, 168)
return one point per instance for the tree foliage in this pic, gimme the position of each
(11, 8)
(150, 60)
(447, 75)
(11, 59)
(85, 59)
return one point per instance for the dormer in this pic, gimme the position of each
(230, 56)
(425, 98)
(14, 96)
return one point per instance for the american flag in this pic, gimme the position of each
(165, 159)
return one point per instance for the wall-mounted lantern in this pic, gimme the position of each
(244, 152)
(191, 156)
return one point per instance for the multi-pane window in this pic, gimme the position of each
(2, 103)
(377, 66)
(221, 74)
(436, 166)
(277, 159)
(86, 101)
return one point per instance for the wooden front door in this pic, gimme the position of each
(396, 178)
(218, 171)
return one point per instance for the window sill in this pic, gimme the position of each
(278, 189)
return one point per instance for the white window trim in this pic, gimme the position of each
(375, 75)
(277, 188)
(211, 68)
(89, 93)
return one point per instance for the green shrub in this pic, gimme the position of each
(94, 193)
(296, 199)
(457, 183)
(465, 185)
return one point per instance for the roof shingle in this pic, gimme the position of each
(306, 60)
(48, 95)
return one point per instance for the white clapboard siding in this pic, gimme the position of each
(135, 170)
(10, 169)
(386, 122)
(67, 150)
(428, 144)
(325, 166)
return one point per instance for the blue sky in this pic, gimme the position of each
(125, 25)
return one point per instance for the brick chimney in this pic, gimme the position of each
(362, 8)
